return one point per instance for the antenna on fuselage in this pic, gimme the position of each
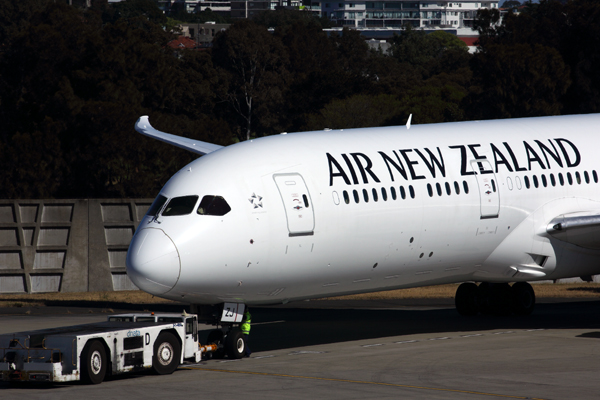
(408, 122)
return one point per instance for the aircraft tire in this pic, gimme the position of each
(523, 298)
(235, 346)
(167, 353)
(93, 363)
(216, 336)
(466, 299)
(501, 299)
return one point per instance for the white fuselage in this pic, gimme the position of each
(296, 230)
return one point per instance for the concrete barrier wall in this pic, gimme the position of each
(66, 245)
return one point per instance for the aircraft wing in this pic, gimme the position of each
(143, 126)
(581, 229)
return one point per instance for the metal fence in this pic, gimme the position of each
(67, 245)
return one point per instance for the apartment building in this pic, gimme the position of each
(249, 8)
(397, 13)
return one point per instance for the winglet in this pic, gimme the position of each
(408, 122)
(195, 146)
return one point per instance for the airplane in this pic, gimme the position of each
(308, 215)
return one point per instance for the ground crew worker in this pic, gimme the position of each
(245, 327)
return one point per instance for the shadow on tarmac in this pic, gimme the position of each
(317, 326)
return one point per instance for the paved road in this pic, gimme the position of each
(363, 350)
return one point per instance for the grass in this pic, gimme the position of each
(98, 298)
(108, 299)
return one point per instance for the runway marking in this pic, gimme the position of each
(266, 323)
(373, 345)
(406, 341)
(295, 353)
(439, 338)
(259, 357)
(504, 396)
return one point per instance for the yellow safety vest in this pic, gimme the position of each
(245, 326)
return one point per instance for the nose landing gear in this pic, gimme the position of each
(495, 298)
(229, 340)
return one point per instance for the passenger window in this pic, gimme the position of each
(429, 190)
(157, 205)
(569, 178)
(438, 188)
(375, 197)
(346, 197)
(552, 180)
(213, 205)
(393, 190)
(305, 198)
(180, 206)
(456, 187)
(383, 194)
(578, 177)
(366, 195)
(356, 198)
(544, 181)
(402, 192)
(561, 179)
(527, 185)
(466, 187)
(494, 185)
(595, 175)
(412, 191)
(448, 190)
(535, 181)
(587, 177)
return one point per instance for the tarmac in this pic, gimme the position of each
(412, 349)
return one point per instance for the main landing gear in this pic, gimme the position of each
(495, 298)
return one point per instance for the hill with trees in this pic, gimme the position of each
(74, 80)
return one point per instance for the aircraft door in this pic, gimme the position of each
(489, 194)
(297, 204)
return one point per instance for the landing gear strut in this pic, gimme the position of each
(498, 298)
(229, 339)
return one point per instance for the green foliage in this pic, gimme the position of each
(424, 51)
(518, 81)
(72, 88)
(73, 81)
(255, 66)
(566, 32)
(358, 111)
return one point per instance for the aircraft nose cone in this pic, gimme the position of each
(153, 261)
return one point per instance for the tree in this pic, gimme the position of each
(567, 27)
(424, 51)
(513, 4)
(518, 80)
(255, 67)
(357, 111)
(72, 87)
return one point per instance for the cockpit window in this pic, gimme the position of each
(157, 205)
(180, 206)
(213, 205)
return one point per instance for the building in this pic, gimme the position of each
(249, 8)
(397, 13)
